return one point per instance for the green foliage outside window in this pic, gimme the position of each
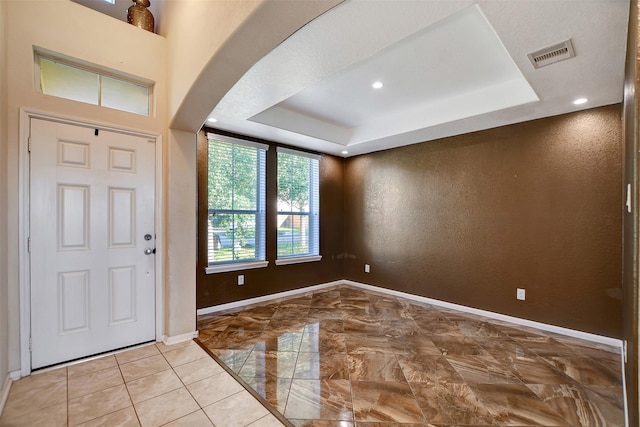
(236, 201)
(297, 205)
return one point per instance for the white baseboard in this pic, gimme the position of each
(180, 338)
(265, 298)
(490, 314)
(4, 392)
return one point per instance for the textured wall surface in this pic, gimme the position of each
(220, 288)
(630, 250)
(469, 219)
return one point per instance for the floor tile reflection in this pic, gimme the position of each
(345, 357)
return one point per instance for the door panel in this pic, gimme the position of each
(91, 203)
(122, 214)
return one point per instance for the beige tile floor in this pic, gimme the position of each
(153, 385)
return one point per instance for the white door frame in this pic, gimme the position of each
(26, 115)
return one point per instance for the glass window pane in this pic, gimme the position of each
(298, 205)
(125, 96)
(220, 175)
(293, 235)
(68, 82)
(236, 199)
(293, 183)
(245, 177)
(232, 237)
(220, 238)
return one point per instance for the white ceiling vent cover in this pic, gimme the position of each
(552, 54)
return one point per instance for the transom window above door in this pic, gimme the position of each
(74, 80)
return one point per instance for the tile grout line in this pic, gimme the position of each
(251, 391)
(126, 388)
(353, 407)
(135, 410)
(201, 408)
(481, 343)
(295, 365)
(395, 356)
(67, 388)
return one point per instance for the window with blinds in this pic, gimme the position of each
(236, 197)
(298, 235)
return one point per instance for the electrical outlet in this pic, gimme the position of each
(520, 294)
(240, 279)
(367, 269)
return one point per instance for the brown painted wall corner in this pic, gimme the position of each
(220, 288)
(469, 219)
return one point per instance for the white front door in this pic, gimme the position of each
(91, 219)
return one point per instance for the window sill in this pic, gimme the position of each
(298, 259)
(223, 268)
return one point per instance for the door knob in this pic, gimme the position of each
(149, 251)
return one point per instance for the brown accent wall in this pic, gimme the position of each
(220, 288)
(469, 219)
(630, 251)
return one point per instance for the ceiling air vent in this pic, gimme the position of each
(549, 55)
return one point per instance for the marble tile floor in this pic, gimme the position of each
(152, 385)
(346, 357)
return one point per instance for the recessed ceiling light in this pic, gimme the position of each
(377, 85)
(212, 120)
(345, 152)
(580, 101)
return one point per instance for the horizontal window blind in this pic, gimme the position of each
(236, 198)
(298, 204)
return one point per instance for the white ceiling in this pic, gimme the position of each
(448, 67)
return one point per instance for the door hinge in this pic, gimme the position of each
(29, 244)
(624, 350)
(30, 344)
(29, 144)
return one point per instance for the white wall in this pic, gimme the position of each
(203, 48)
(225, 38)
(181, 233)
(4, 308)
(210, 45)
(74, 30)
(204, 26)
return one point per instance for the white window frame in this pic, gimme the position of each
(241, 265)
(40, 53)
(314, 222)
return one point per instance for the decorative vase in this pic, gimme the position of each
(139, 15)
